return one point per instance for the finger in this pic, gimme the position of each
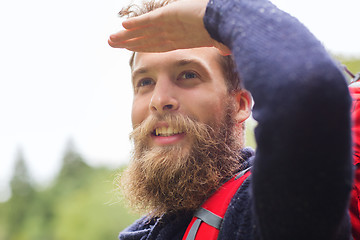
(122, 36)
(125, 35)
(157, 44)
(127, 44)
(223, 49)
(136, 40)
(140, 21)
(159, 47)
(133, 44)
(119, 38)
(151, 36)
(147, 31)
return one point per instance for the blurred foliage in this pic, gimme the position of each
(250, 125)
(81, 203)
(352, 64)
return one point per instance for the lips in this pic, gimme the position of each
(165, 134)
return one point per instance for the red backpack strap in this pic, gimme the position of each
(207, 220)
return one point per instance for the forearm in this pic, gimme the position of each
(303, 160)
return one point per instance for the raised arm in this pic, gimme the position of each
(303, 160)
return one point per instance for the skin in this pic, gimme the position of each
(188, 82)
(178, 25)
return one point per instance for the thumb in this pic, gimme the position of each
(223, 49)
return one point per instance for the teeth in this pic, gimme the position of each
(166, 131)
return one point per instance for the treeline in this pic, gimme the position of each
(79, 204)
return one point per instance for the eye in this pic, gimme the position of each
(188, 75)
(145, 82)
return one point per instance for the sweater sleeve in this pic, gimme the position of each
(302, 171)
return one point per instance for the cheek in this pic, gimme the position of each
(139, 112)
(209, 109)
(214, 113)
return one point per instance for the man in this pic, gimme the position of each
(187, 123)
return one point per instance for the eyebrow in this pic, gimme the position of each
(141, 70)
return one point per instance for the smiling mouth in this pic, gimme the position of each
(166, 131)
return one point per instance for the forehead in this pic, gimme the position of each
(206, 57)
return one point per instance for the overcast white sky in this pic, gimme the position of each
(59, 79)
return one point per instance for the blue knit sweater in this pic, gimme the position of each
(302, 173)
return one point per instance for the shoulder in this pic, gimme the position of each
(238, 222)
(140, 228)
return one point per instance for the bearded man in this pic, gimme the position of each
(188, 112)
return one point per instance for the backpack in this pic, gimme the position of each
(206, 223)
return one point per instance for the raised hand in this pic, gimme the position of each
(178, 25)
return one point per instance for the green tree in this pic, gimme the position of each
(73, 165)
(81, 208)
(22, 197)
(21, 183)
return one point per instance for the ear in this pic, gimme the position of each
(243, 103)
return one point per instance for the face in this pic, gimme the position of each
(189, 82)
(186, 137)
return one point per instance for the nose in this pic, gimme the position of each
(164, 97)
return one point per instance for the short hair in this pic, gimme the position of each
(232, 80)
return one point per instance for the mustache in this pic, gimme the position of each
(186, 124)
